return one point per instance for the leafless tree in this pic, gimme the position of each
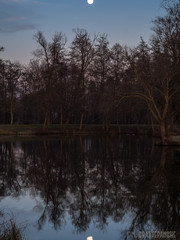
(82, 53)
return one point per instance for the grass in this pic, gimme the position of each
(56, 129)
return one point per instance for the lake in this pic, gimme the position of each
(70, 188)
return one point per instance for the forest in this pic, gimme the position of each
(92, 82)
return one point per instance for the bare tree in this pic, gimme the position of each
(12, 76)
(51, 56)
(101, 71)
(82, 53)
(157, 88)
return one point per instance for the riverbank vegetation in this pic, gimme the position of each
(93, 83)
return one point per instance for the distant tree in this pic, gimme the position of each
(31, 93)
(2, 88)
(12, 75)
(51, 56)
(3, 92)
(101, 71)
(118, 62)
(82, 53)
(9, 86)
(73, 93)
(117, 79)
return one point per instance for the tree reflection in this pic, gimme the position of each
(48, 177)
(9, 172)
(159, 198)
(94, 179)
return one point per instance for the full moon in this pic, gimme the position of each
(90, 1)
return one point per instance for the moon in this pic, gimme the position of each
(90, 1)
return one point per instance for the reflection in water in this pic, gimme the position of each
(160, 196)
(94, 179)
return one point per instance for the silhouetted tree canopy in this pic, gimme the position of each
(91, 82)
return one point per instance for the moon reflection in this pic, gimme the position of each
(90, 1)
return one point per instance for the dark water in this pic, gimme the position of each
(73, 187)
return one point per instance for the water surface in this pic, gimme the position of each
(72, 187)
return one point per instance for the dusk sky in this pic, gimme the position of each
(124, 21)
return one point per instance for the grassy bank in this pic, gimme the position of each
(54, 129)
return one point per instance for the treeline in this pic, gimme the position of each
(91, 82)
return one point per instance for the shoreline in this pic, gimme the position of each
(55, 130)
(73, 129)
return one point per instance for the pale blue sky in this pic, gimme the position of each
(124, 21)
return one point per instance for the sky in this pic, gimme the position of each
(124, 22)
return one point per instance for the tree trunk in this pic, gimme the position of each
(12, 114)
(61, 120)
(107, 125)
(163, 157)
(69, 117)
(154, 132)
(163, 133)
(119, 129)
(81, 121)
(46, 119)
(12, 117)
(103, 124)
